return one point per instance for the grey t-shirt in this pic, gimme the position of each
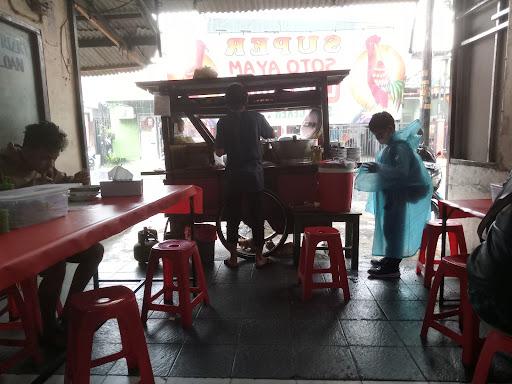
(239, 133)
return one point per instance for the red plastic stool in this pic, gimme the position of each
(87, 312)
(454, 266)
(495, 341)
(175, 255)
(21, 319)
(313, 236)
(431, 233)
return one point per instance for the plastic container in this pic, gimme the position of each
(33, 205)
(335, 185)
(205, 236)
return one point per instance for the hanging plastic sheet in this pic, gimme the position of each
(400, 193)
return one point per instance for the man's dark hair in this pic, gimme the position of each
(236, 96)
(381, 120)
(45, 135)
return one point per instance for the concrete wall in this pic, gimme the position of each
(504, 150)
(59, 75)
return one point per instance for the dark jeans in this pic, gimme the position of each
(235, 200)
(53, 277)
(394, 224)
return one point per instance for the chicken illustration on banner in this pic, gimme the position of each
(378, 77)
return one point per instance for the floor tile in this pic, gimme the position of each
(409, 333)
(129, 380)
(162, 357)
(328, 382)
(264, 361)
(262, 381)
(241, 275)
(321, 331)
(440, 363)
(385, 363)
(59, 379)
(383, 290)
(16, 379)
(420, 291)
(204, 361)
(403, 310)
(409, 276)
(164, 331)
(370, 333)
(225, 302)
(394, 382)
(269, 332)
(325, 362)
(359, 291)
(196, 380)
(277, 274)
(266, 302)
(100, 350)
(362, 310)
(501, 369)
(213, 331)
(108, 333)
(309, 310)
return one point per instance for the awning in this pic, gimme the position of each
(115, 36)
(205, 6)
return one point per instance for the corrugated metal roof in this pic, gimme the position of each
(98, 53)
(207, 6)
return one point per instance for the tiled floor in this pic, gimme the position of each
(257, 330)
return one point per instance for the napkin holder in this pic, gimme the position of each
(121, 188)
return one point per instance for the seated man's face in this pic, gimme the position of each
(40, 159)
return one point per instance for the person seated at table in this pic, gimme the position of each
(33, 163)
(401, 192)
(489, 288)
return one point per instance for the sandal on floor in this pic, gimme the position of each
(228, 264)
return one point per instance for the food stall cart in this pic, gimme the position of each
(289, 181)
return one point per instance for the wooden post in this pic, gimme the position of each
(325, 117)
(426, 78)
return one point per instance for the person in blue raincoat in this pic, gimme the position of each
(401, 190)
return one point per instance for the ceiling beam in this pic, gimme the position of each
(104, 42)
(124, 16)
(104, 27)
(117, 67)
(152, 22)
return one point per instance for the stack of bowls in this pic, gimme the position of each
(354, 153)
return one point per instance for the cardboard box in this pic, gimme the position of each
(121, 188)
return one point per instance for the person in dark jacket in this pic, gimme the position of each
(489, 283)
(238, 136)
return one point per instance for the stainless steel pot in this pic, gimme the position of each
(293, 150)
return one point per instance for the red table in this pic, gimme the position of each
(27, 251)
(458, 209)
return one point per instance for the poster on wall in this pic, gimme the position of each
(21, 95)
